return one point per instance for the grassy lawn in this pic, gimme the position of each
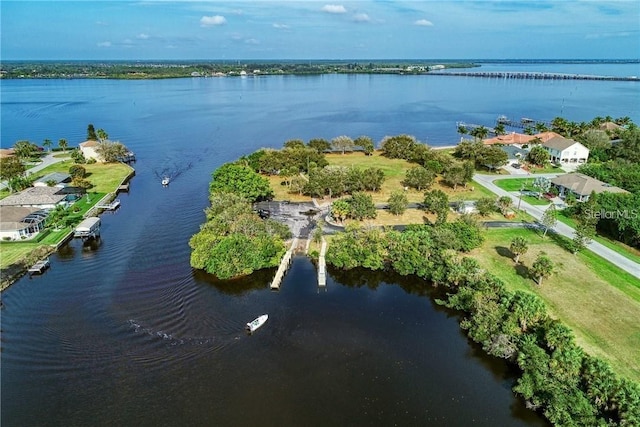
(104, 177)
(601, 303)
(394, 172)
(14, 251)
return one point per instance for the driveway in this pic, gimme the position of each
(45, 161)
(560, 228)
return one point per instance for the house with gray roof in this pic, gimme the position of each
(58, 179)
(581, 186)
(37, 197)
(21, 222)
(566, 151)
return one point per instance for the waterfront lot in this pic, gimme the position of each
(598, 301)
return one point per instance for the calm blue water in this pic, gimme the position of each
(125, 333)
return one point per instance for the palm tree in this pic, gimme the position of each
(62, 143)
(541, 127)
(47, 143)
(102, 135)
(542, 267)
(499, 129)
(518, 247)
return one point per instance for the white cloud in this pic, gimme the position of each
(142, 36)
(361, 17)
(423, 23)
(281, 26)
(104, 44)
(210, 21)
(334, 8)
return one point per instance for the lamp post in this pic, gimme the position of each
(520, 197)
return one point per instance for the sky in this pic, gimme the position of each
(333, 29)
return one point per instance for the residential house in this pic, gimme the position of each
(21, 222)
(37, 197)
(566, 151)
(510, 138)
(88, 150)
(6, 152)
(58, 179)
(582, 186)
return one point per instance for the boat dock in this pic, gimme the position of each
(322, 265)
(39, 267)
(471, 126)
(114, 204)
(523, 123)
(284, 265)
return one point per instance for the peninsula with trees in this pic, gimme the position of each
(515, 286)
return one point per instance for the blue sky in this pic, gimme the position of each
(367, 29)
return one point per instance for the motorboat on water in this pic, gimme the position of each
(256, 323)
(165, 181)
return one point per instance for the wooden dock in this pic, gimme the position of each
(284, 265)
(322, 265)
(39, 267)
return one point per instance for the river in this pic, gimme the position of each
(125, 333)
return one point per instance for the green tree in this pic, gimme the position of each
(486, 205)
(77, 171)
(342, 143)
(398, 202)
(62, 143)
(366, 143)
(549, 218)
(542, 184)
(468, 150)
(629, 146)
(543, 267)
(398, 147)
(361, 206)
(437, 202)
(319, 144)
(110, 152)
(419, 178)
(91, 133)
(499, 129)
(479, 133)
(492, 157)
(456, 174)
(11, 167)
(538, 156)
(78, 157)
(340, 210)
(242, 180)
(519, 246)
(505, 203)
(102, 135)
(294, 143)
(24, 150)
(47, 144)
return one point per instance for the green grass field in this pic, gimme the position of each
(600, 302)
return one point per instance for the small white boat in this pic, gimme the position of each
(256, 323)
(165, 181)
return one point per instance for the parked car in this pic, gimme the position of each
(515, 165)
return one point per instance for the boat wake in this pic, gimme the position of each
(171, 339)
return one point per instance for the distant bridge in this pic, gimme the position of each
(532, 75)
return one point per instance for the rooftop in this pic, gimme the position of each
(584, 185)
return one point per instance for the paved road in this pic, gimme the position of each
(560, 228)
(46, 161)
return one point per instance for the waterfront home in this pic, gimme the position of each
(566, 151)
(508, 139)
(55, 179)
(6, 152)
(37, 197)
(581, 186)
(88, 150)
(21, 222)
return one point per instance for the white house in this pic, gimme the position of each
(88, 150)
(566, 151)
(19, 222)
(582, 186)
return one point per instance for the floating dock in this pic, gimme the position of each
(114, 204)
(284, 265)
(40, 266)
